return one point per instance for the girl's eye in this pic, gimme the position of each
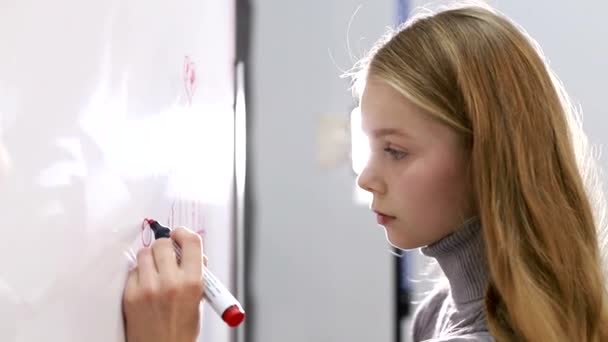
(395, 154)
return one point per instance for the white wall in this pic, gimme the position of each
(321, 270)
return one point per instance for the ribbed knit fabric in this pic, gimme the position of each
(456, 312)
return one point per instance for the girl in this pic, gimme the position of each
(476, 157)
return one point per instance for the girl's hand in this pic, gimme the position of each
(162, 299)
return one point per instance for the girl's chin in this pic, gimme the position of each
(400, 241)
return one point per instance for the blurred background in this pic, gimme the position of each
(231, 117)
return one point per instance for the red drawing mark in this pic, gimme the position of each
(172, 215)
(146, 224)
(182, 212)
(186, 213)
(189, 78)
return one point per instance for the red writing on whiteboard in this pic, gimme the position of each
(189, 78)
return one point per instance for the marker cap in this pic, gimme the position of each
(233, 316)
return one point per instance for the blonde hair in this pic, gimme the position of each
(535, 181)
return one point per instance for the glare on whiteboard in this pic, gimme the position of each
(191, 145)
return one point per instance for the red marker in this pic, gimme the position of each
(216, 294)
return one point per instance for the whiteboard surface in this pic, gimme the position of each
(99, 129)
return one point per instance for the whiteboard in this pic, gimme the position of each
(110, 111)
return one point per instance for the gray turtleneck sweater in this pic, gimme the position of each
(456, 312)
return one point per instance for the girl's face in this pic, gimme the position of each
(417, 170)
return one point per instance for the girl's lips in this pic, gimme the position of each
(383, 219)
